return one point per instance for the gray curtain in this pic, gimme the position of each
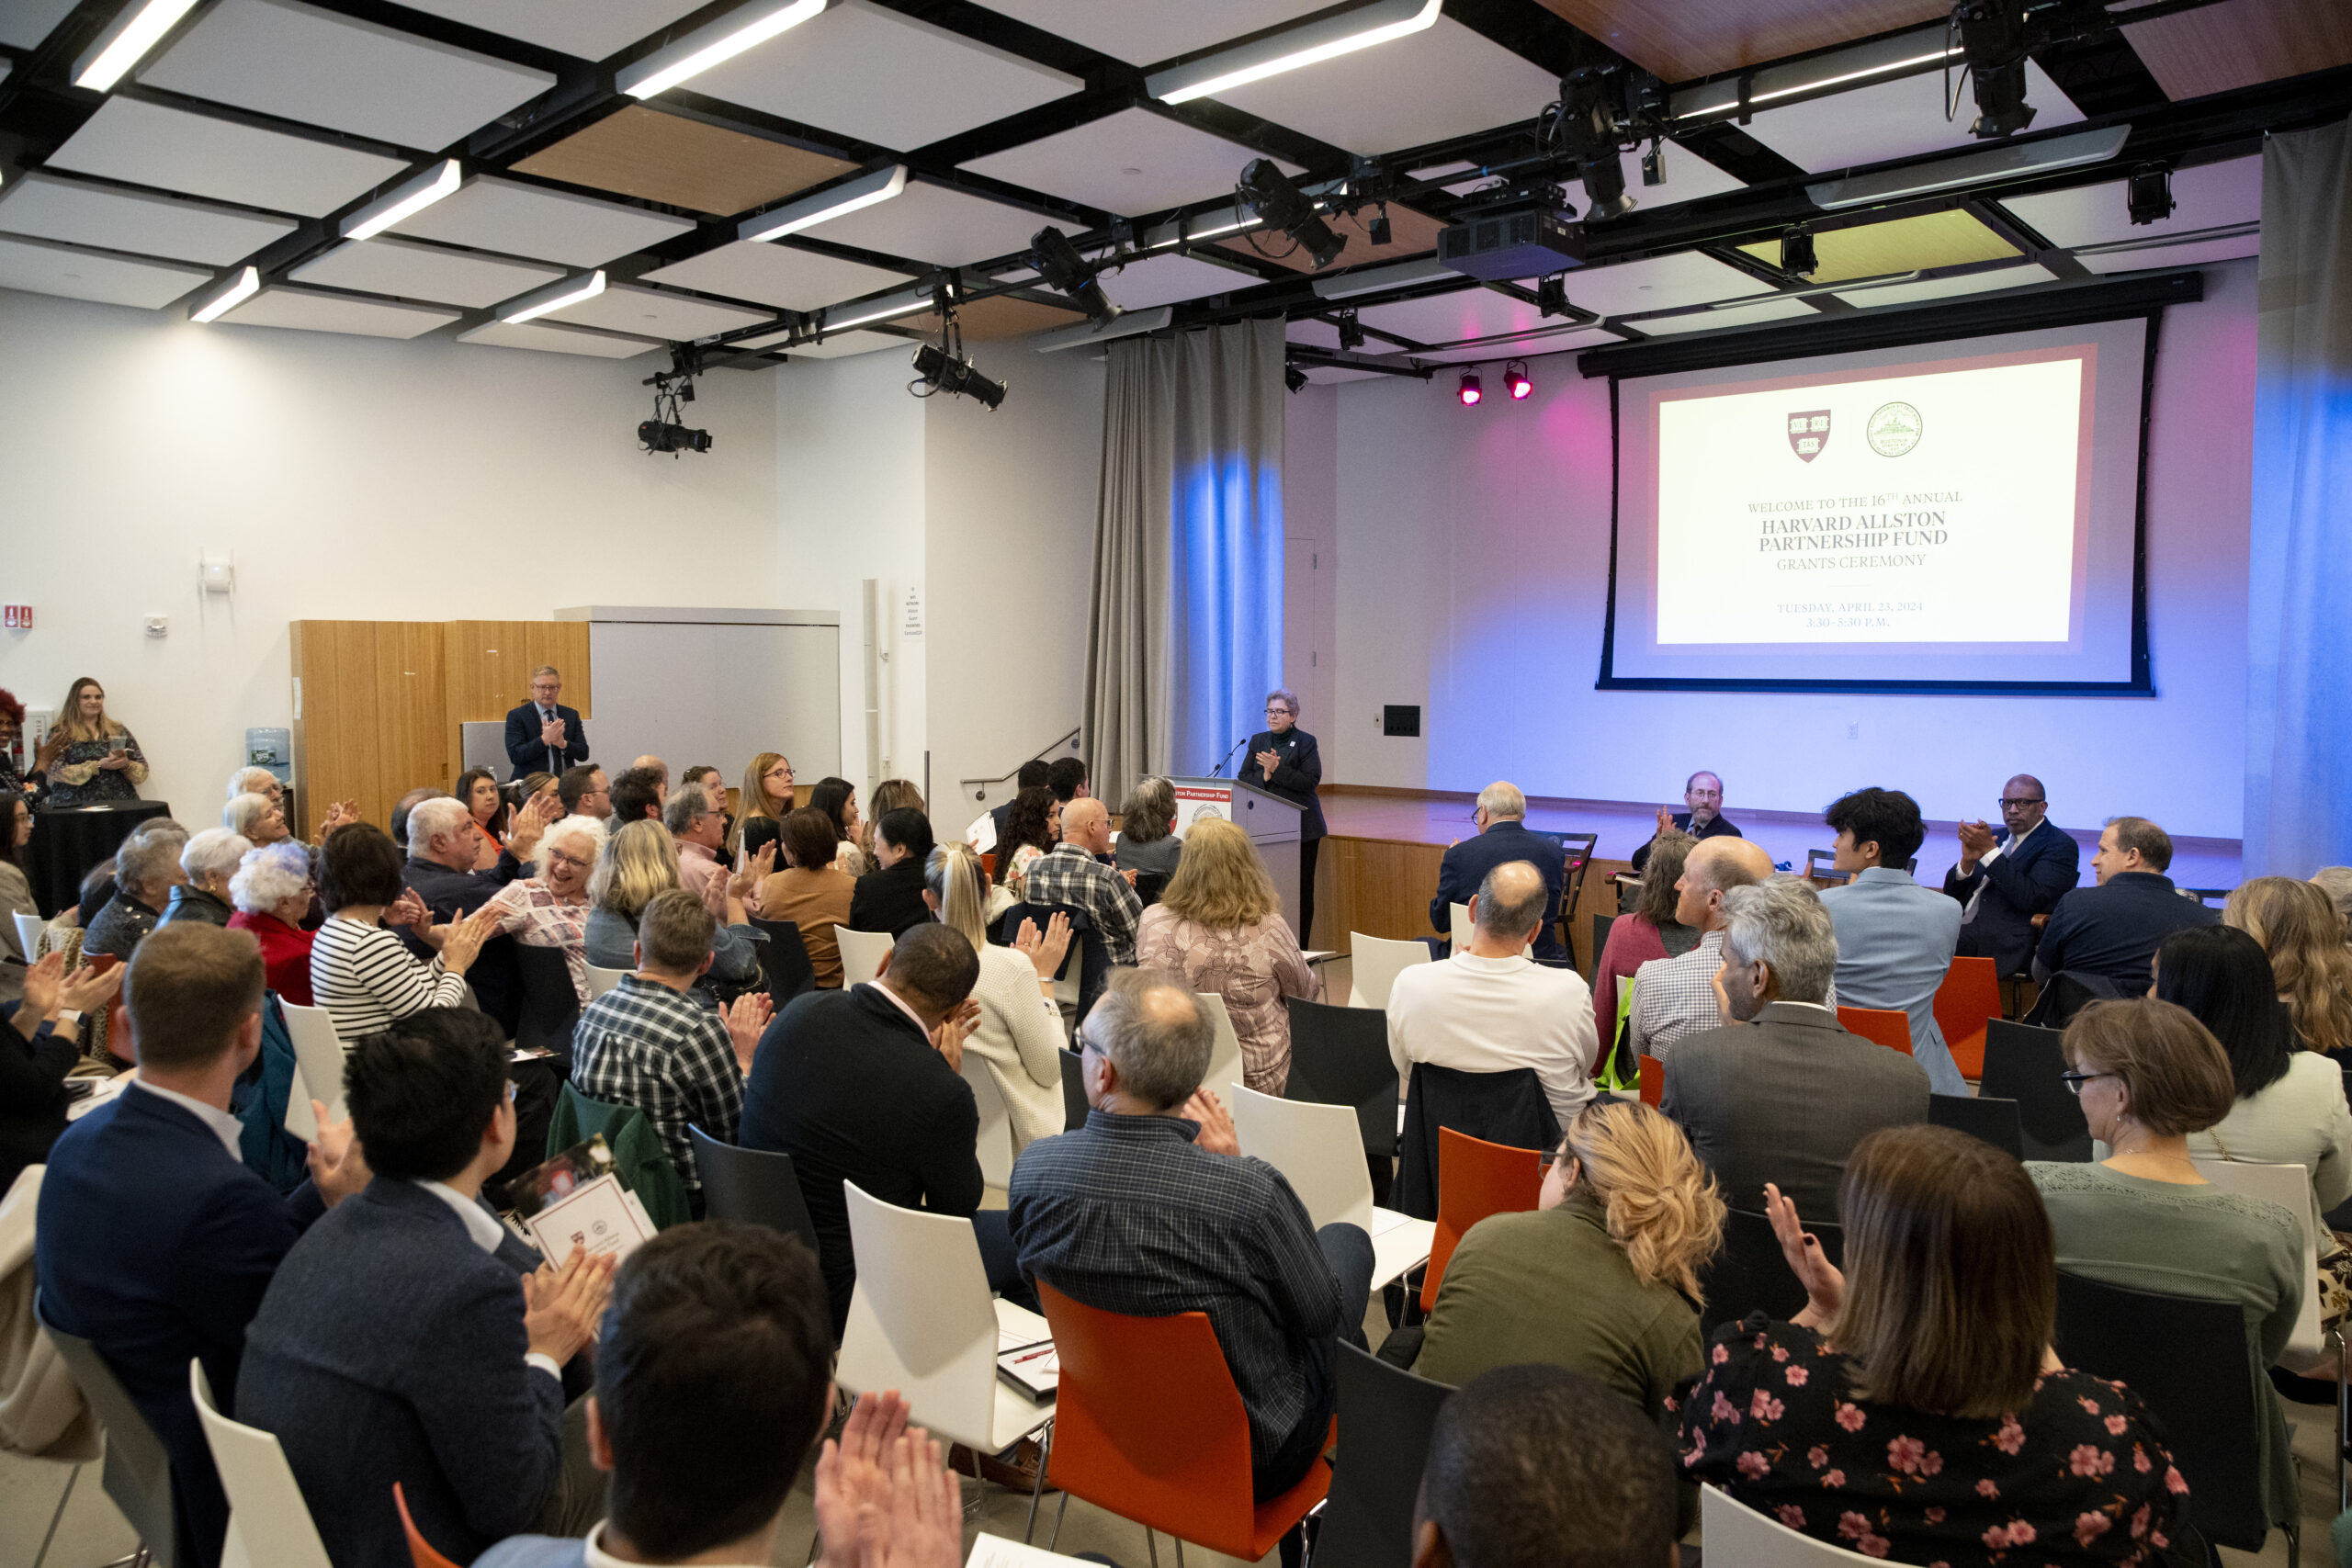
(1185, 634)
(2299, 725)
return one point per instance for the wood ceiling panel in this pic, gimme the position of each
(1410, 233)
(660, 157)
(2241, 43)
(1680, 40)
(1907, 245)
(990, 321)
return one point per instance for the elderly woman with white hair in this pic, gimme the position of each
(209, 859)
(259, 813)
(549, 907)
(146, 869)
(272, 891)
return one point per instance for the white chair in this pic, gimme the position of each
(2288, 1186)
(1375, 962)
(1225, 1057)
(318, 1068)
(1736, 1533)
(1319, 1151)
(996, 1122)
(270, 1524)
(1462, 930)
(862, 954)
(29, 930)
(602, 980)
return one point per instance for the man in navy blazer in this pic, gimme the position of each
(406, 1337)
(154, 1241)
(543, 736)
(2004, 880)
(1503, 837)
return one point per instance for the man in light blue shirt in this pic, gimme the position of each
(1896, 938)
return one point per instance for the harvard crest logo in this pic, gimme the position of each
(1809, 432)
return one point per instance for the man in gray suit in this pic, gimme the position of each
(1895, 937)
(1784, 1094)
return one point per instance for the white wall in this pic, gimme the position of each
(1310, 564)
(1474, 550)
(350, 479)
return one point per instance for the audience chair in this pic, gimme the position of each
(1149, 886)
(1653, 1082)
(29, 930)
(1320, 1154)
(753, 1186)
(921, 1321)
(1087, 950)
(1980, 1116)
(1150, 1427)
(639, 1159)
(270, 1524)
(1601, 926)
(1225, 1057)
(1461, 938)
(1373, 964)
(1074, 1106)
(2023, 1064)
(1884, 1025)
(420, 1551)
(137, 1473)
(1386, 1416)
(1737, 1533)
(1577, 859)
(2188, 1358)
(318, 1067)
(784, 960)
(995, 1147)
(1339, 1055)
(987, 863)
(1749, 1274)
(602, 980)
(551, 1007)
(1475, 1179)
(861, 954)
(1969, 999)
(1499, 1107)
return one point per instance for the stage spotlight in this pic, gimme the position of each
(1470, 394)
(1377, 230)
(1552, 296)
(1992, 34)
(661, 436)
(943, 372)
(1589, 125)
(1515, 381)
(2148, 196)
(1267, 192)
(1796, 252)
(1059, 263)
(1293, 378)
(1653, 163)
(1350, 332)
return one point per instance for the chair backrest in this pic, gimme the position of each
(1750, 1275)
(420, 1551)
(2289, 1187)
(1653, 1082)
(2024, 1063)
(785, 957)
(640, 1157)
(1980, 1116)
(995, 1146)
(861, 954)
(920, 1320)
(270, 1524)
(1386, 1416)
(1884, 1026)
(602, 980)
(1601, 926)
(1149, 886)
(1475, 1179)
(1224, 1055)
(1373, 962)
(137, 1473)
(754, 1186)
(318, 1067)
(1509, 1108)
(1339, 1055)
(2189, 1361)
(1969, 999)
(1317, 1148)
(551, 1007)
(1074, 1106)
(28, 936)
(1459, 931)
(1576, 850)
(1736, 1533)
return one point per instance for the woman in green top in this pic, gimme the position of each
(2149, 1075)
(1600, 1278)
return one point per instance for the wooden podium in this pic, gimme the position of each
(1270, 821)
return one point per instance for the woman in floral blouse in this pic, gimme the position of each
(1914, 1410)
(1220, 925)
(88, 757)
(549, 907)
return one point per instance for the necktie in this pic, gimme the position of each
(555, 761)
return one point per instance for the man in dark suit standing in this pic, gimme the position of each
(1503, 837)
(1784, 1093)
(543, 736)
(155, 1241)
(1702, 816)
(1285, 763)
(2004, 880)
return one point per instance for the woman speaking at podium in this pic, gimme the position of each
(1285, 762)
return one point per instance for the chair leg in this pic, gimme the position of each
(2343, 1432)
(1180, 1550)
(2294, 1546)
(63, 1497)
(1151, 1545)
(1053, 1539)
(1045, 1458)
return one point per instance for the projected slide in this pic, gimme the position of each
(1963, 513)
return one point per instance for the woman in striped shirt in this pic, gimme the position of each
(360, 971)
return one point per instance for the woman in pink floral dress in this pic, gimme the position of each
(1220, 925)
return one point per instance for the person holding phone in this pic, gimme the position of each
(90, 760)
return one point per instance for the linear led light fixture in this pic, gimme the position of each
(554, 296)
(906, 302)
(825, 206)
(224, 297)
(746, 27)
(1879, 59)
(405, 201)
(1126, 325)
(2007, 161)
(136, 28)
(1287, 50)
(1396, 275)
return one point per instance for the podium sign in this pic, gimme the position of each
(1201, 799)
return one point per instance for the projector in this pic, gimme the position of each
(1535, 240)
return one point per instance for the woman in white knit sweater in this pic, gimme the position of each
(1020, 1032)
(360, 971)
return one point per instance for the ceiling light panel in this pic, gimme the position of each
(304, 309)
(2212, 195)
(1893, 119)
(1930, 289)
(136, 27)
(491, 214)
(297, 63)
(650, 312)
(1169, 280)
(549, 338)
(24, 24)
(1131, 163)
(174, 149)
(882, 77)
(1952, 238)
(1734, 316)
(77, 213)
(1145, 32)
(1360, 27)
(39, 267)
(775, 275)
(1659, 282)
(415, 271)
(2195, 252)
(937, 224)
(591, 30)
(1444, 80)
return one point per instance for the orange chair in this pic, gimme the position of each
(1889, 1028)
(420, 1551)
(987, 863)
(1475, 1179)
(1148, 1424)
(1653, 1081)
(1969, 999)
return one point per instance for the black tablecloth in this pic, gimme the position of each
(68, 841)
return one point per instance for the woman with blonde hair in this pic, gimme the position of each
(636, 862)
(1019, 1034)
(88, 757)
(1601, 1276)
(1220, 924)
(767, 800)
(2298, 925)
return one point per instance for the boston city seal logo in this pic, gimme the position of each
(1893, 429)
(1809, 432)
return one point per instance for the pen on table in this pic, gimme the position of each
(1032, 1355)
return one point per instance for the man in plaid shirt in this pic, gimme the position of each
(647, 1042)
(1071, 877)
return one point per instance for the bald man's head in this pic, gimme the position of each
(1509, 905)
(1086, 822)
(1714, 868)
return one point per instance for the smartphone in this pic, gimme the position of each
(115, 744)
